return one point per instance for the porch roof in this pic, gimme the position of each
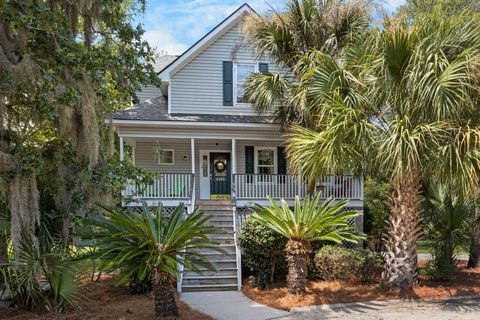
(156, 110)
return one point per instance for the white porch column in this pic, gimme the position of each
(234, 167)
(192, 156)
(121, 149)
(234, 156)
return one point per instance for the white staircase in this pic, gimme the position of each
(225, 278)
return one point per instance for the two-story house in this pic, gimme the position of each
(209, 149)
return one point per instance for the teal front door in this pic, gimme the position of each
(220, 174)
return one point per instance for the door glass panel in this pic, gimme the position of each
(205, 166)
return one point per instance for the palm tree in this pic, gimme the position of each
(306, 223)
(288, 37)
(151, 244)
(403, 100)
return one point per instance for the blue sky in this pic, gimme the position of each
(173, 25)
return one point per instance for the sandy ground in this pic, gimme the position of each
(464, 309)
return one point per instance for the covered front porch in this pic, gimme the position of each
(246, 171)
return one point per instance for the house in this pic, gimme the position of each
(209, 149)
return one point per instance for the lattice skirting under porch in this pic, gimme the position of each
(357, 222)
(166, 210)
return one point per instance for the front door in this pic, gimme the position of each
(220, 174)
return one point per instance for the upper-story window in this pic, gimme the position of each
(242, 72)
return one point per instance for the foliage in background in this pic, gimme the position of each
(449, 218)
(262, 251)
(412, 8)
(375, 215)
(307, 222)
(152, 244)
(344, 264)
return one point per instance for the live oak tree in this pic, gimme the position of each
(65, 67)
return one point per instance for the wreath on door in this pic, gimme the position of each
(220, 166)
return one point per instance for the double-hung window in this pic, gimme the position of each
(265, 163)
(165, 157)
(242, 72)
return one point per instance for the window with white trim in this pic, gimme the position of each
(242, 72)
(265, 161)
(165, 156)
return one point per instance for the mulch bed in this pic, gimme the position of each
(465, 282)
(104, 301)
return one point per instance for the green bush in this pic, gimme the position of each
(343, 264)
(377, 191)
(262, 251)
(438, 270)
(448, 220)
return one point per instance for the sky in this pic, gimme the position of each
(172, 26)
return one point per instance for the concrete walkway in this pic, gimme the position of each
(230, 305)
(461, 308)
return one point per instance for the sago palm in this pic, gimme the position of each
(307, 222)
(404, 100)
(152, 244)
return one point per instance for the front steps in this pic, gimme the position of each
(225, 278)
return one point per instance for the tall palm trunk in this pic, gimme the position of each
(3, 249)
(401, 268)
(297, 254)
(165, 305)
(474, 257)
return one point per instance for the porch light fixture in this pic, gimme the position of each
(157, 150)
(185, 158)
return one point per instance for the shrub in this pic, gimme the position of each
(377, 191)
(448, 217)
(44, 280)
(262, 251)
(343, 264)
(438, 270)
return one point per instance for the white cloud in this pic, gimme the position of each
(164, 40)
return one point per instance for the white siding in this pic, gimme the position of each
(149, 92)
(144, 155)
(202, 132)
(197, 86)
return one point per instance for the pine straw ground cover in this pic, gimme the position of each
(104, 301)
(465, 282)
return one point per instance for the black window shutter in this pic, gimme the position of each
(281, 163)
(249, 162)
(263, 67)
(227, 83)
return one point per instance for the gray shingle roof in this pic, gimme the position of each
(162, 61)
(156, 110)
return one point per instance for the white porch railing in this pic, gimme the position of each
(259, 186)
(169, 186)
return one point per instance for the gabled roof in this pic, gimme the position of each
(205, 41)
